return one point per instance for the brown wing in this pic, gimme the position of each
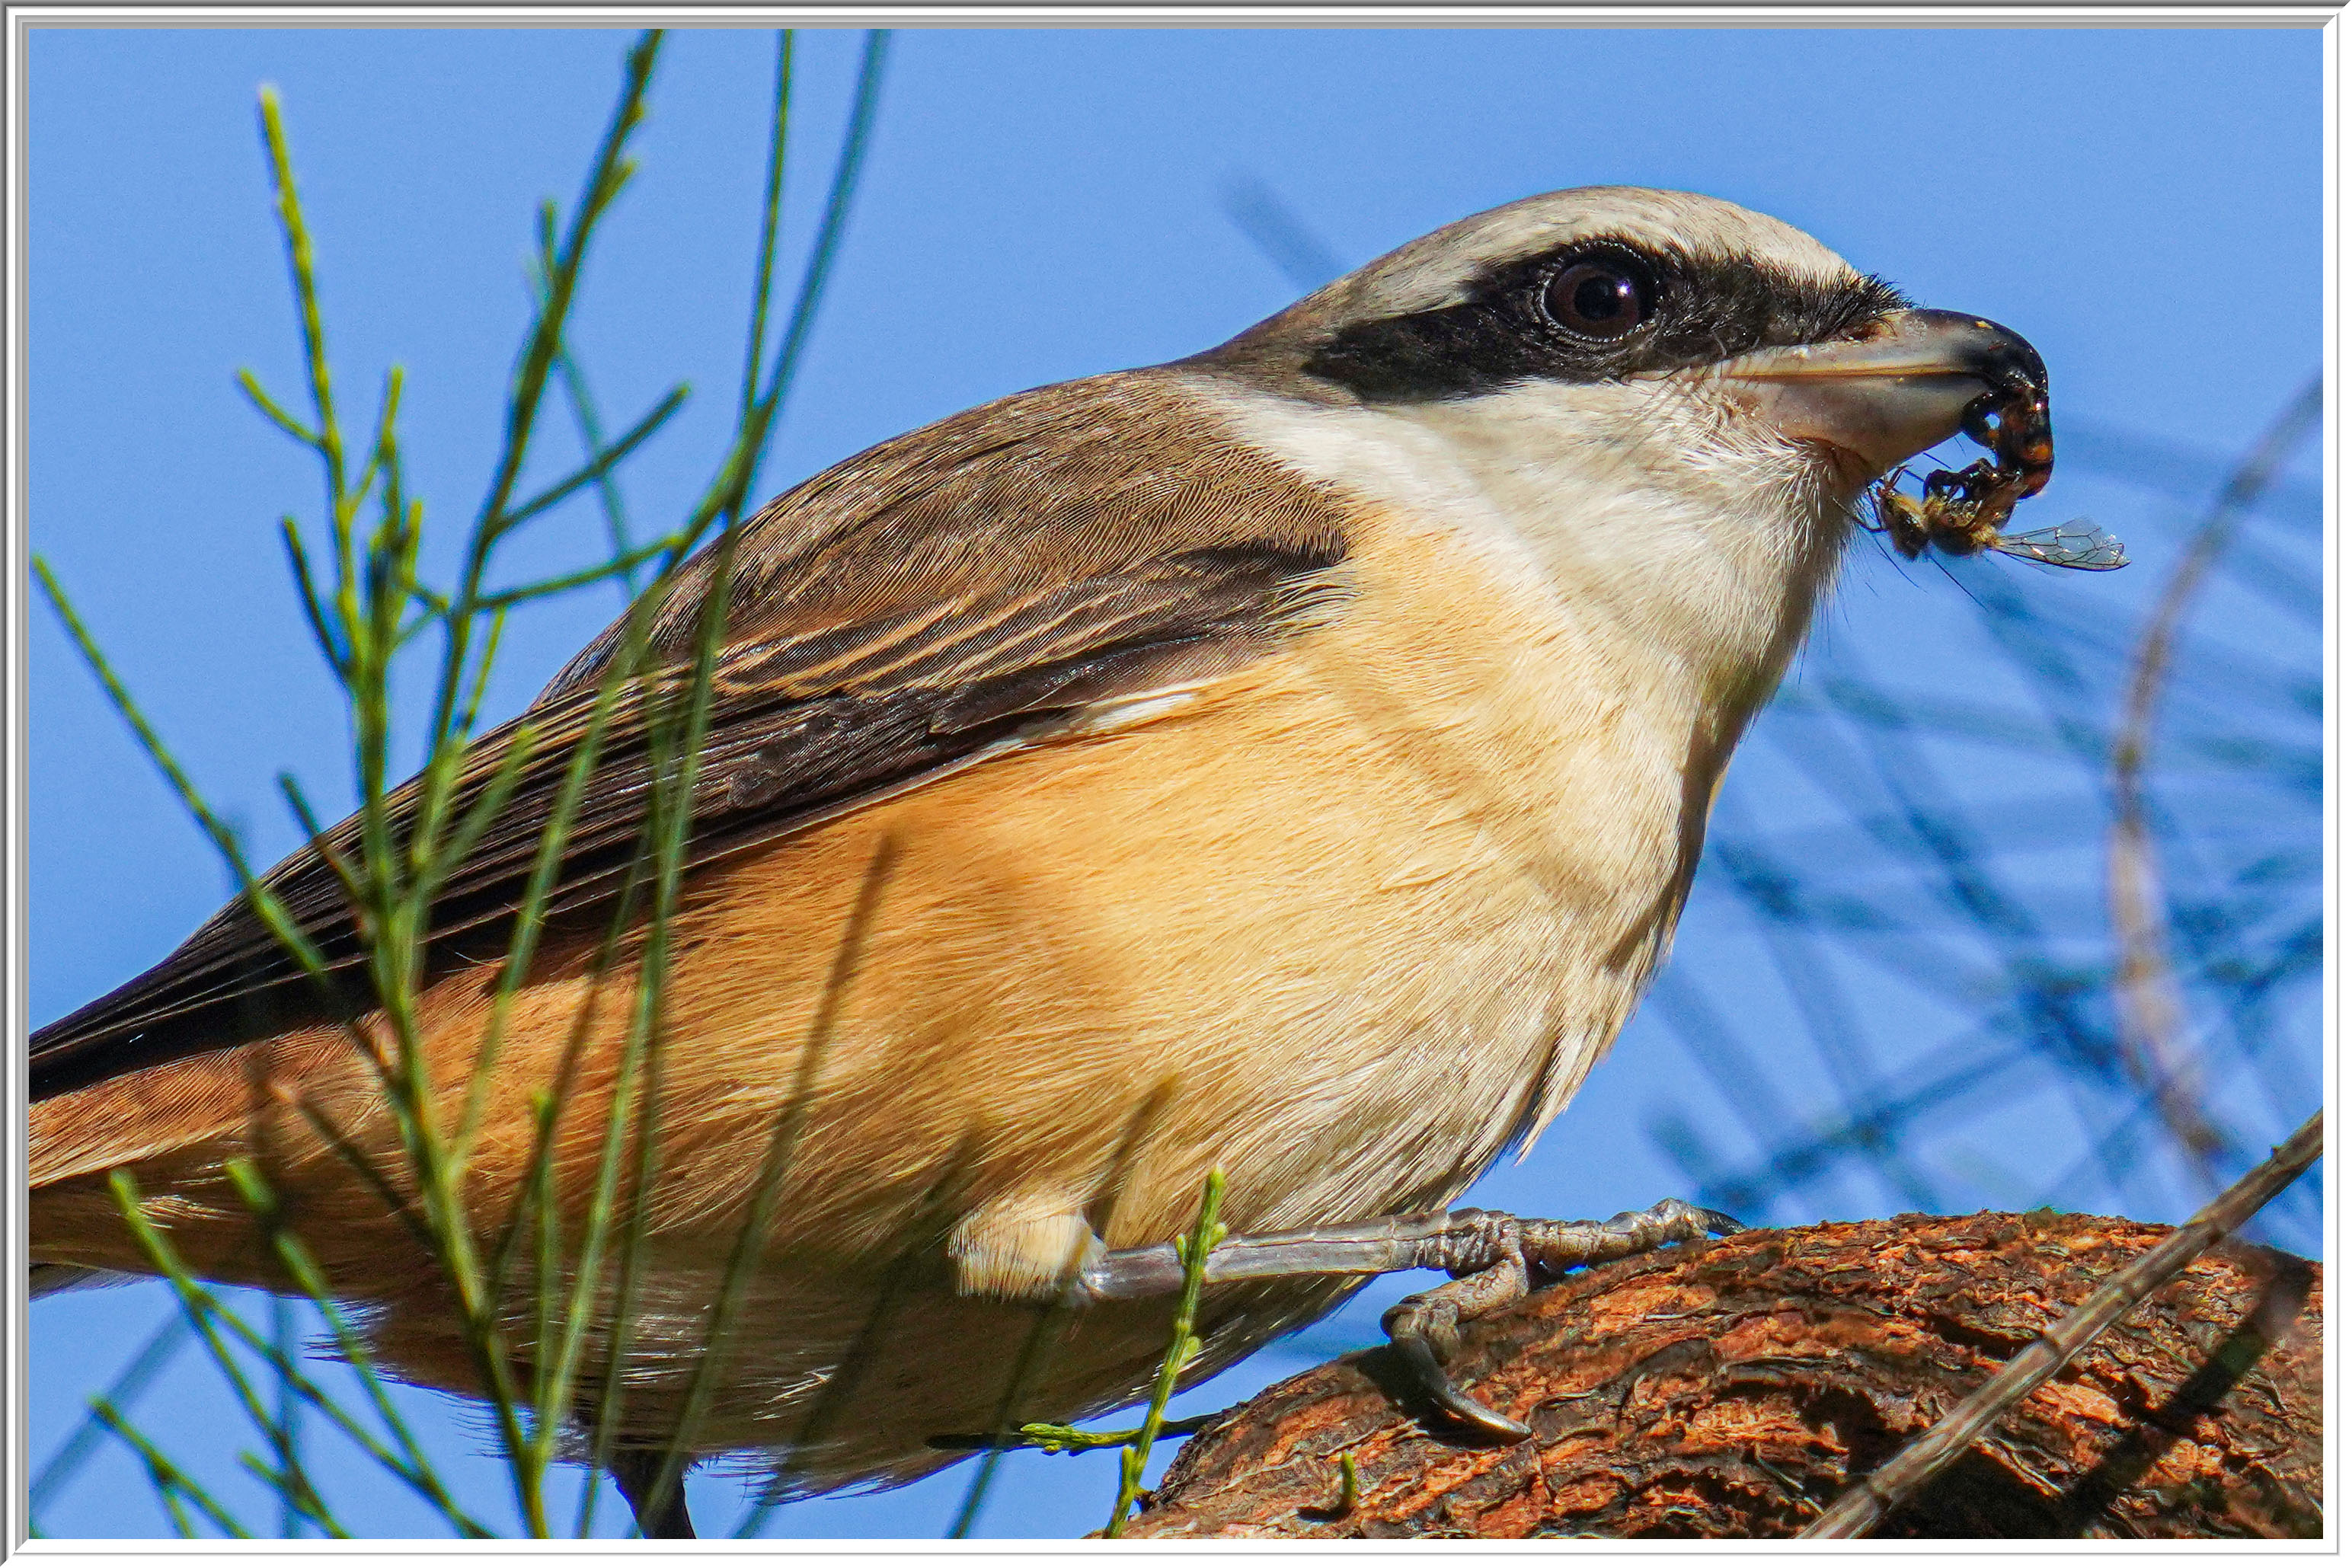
(976, 587)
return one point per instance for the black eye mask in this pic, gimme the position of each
(1515, 327)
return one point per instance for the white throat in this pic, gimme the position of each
(1645, 512)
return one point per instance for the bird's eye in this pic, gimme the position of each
(1603, 298)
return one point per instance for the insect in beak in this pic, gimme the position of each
(1964, 512)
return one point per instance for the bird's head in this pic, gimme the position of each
(1615, 295)
(1673, 403)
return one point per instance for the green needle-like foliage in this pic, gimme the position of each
(528, 1297)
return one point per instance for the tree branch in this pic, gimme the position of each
(1735, 1388)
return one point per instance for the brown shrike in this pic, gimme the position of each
(1291, 759)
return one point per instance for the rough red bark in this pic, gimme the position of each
(1732, 1388)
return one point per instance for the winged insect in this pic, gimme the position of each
(1963, 513)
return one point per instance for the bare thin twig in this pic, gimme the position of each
(1860, 1510)
(2148, 997)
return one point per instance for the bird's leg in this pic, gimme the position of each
(635, 1471)
(1490, 1254)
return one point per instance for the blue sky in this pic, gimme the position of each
(2146, 206)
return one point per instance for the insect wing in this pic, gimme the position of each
(2080, 545)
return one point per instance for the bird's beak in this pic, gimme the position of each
(1912, 381)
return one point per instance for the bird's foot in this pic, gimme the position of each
(1491, 1255)
(1496, 1253)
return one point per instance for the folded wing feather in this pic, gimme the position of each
(979, 586)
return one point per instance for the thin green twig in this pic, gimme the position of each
(1183, 1347)
(751, 1237)
(171, 1482)
(129, 1384)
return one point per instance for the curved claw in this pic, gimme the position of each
(1422, 1362)
(1674, 1214)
